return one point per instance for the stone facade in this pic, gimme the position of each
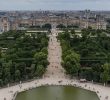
(4, 24)
(16, 23)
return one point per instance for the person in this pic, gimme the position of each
(4, 98)
(106, 97)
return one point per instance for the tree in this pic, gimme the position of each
(44, 42)
(73, 32)
(39, 70)
(44, 50)
(60, 26)
(71, 63)
(1, 82)
(39, 56)
(85, 34)
(17, 75)
(47, 26)
(6, 72)
(105, 74)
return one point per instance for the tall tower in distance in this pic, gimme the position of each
(5, 24)
(100, 22)
(87, 15)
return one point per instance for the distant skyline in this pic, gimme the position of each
(54, 4)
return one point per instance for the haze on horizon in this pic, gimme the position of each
(54, 4)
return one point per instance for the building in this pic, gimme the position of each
(22, 20)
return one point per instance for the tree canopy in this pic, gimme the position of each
(91, 48)
(22, 57)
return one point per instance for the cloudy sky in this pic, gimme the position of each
(54, 4)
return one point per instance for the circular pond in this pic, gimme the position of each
(57, 93)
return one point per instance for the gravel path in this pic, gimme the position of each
(54, 70)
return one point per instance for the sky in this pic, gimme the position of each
(54, 4)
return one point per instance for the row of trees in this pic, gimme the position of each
(45, 26)
(62, 26)
(49, 26)
(25, 58)
(86, 55)
(71, 59)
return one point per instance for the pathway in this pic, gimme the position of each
(54, 70)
